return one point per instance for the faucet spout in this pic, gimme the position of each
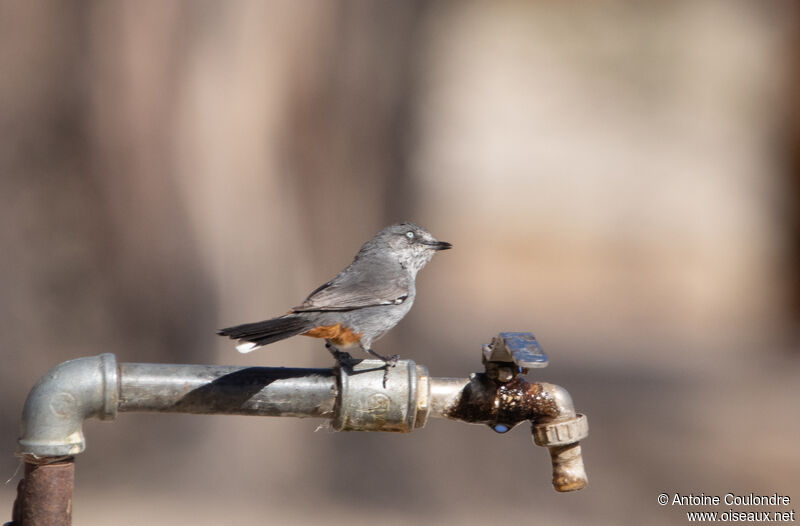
(503, 405)
(561, 434)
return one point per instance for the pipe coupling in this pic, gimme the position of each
(373, 397)
(569, 431)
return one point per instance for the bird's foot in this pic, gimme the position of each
(388, 363)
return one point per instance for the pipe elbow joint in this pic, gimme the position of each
(561, 425)
(562, 405)
(71, 392)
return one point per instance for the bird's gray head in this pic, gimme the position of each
(409, 244)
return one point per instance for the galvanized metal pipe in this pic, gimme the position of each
(214, 389)
(444, 395)
(364, 396)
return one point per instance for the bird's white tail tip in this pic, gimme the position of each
(246, 347)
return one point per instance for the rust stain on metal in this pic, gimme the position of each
(485, 401)
(530, 399)
(476, 403)
(44, 496)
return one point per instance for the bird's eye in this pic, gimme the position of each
(410, 235)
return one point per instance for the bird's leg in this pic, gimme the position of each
(341, 357)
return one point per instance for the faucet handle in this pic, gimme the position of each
(521, 348)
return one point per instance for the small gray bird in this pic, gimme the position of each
(359, 305)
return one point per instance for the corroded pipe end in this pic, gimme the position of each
(568, 471)
(44, 496)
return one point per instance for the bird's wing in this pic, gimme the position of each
(354, 290)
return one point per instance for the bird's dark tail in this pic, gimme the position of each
(253, 335)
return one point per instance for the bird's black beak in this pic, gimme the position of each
(440, 245)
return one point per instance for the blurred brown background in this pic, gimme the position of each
(620, 178)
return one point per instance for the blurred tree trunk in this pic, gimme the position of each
(790, 201)
(162, 304)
